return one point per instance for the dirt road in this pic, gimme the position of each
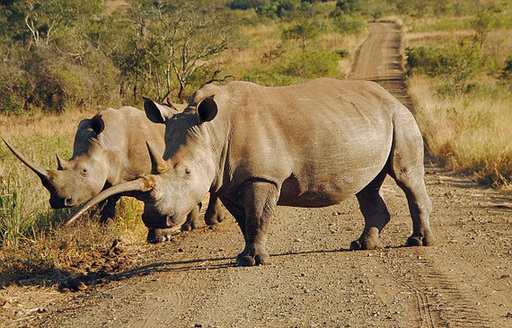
(314, 280)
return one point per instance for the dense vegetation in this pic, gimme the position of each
(60, 55)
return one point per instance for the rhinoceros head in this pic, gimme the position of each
(82, 177)
(184, 173)
(183, 170)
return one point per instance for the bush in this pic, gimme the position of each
(303, 31)
(245, 4)
(311, 64)
(506, 72)
(296, 68)
(350, 24)
(278, 8)
(459, 63)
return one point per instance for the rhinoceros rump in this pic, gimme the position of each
(109, 149)
(307, 145)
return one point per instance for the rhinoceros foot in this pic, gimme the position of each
(214, 218)
(252, 258)
(191, 225)
(427, 239)
(192, 221)
(156, 236)
(365, 244)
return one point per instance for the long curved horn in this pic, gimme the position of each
(143, 184)
(42, 173)
(157, 162)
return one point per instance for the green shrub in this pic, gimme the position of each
(304, 31)
(457, 62)
(246, 4)
(343, 53)
(278, 8)
(506, 72)
(299, 67)
(311, 64)
(350, 24)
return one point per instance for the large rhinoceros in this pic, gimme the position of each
(109, 149)
(307, 145)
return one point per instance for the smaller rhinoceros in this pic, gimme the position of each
(111, 148)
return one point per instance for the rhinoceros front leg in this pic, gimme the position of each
(160, 235)
(259, 201)
(214, 213)
(192, 221)
(108, 209)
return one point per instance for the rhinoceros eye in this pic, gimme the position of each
(84, 172)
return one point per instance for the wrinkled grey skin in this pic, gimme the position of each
(110, 149)
(306, 145)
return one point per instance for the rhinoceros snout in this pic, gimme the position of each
(70, 202)
(59, 202)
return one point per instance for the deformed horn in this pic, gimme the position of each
(42, 173)
(143, 184)
(157, 162)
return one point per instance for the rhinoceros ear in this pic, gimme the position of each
(156, 112)
(97, 124)
(207, 110)
(84, 124)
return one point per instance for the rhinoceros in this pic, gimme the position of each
(306, 145)
(109, 149)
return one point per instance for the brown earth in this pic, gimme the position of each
(313, 280)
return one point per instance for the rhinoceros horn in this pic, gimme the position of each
(61, 164)
(157, 162)
(144, 184)
(42, 173)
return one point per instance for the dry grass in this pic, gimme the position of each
(38, 244)
(468, 133)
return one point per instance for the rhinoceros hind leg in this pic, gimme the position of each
(408, 171)
(214, 213)
(375, 213)
(192, 221)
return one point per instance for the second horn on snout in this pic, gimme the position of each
(158, 164)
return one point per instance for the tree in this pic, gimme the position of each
(176, 40)
(303, 31)
(482, 25)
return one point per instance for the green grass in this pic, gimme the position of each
(12, 228)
